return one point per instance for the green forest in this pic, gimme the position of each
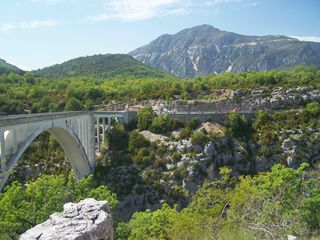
(21, 93)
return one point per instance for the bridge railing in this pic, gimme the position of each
(25, 118)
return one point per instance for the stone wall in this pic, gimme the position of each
(207, 116)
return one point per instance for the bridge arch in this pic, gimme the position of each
(66, 137)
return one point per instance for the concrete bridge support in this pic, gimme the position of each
(103, 124)
(73, 131)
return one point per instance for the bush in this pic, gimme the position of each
(239, 126)
(199, 138)
(73, 104)
(185, 133)
(176, 157)
(313, 109)
(262, 119)
(137, 141)
(160, 124)
(118, 137)
(175, 124)
(145, 117)
(144, 158)
(193, 123)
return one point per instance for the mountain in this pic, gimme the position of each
(202, 50)
(7, 67)
(106, 66)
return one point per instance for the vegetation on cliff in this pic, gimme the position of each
(270, 205)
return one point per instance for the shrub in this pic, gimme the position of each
(239, 126)
(160, 124)
(144, 157)
(313, 109)
(73, 104)
(118, 137)
(145, 117)
(176, 157)
(193, 123)
(185, 133)
(199, 138)
(137, 141)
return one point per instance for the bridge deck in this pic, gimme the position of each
(8, 120)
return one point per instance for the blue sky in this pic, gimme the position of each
(39, 33)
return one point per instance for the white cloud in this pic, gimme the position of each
(27, 25)
(307, 38)
(216, 2)
(135, 10)
(50, 2)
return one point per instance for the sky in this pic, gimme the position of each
(39, 33)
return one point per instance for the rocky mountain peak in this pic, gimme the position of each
(204, 49)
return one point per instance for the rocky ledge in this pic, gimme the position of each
(86, 220)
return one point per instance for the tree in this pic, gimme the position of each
(145, 117)
(199, 138)
(137, 141)
(313, 109)
(144, 157)
(89, 104)
(73, 104)
(148, 225)
(193, 123)
(94, 93)
(262, 119)
(118, 137)
(239, 126)
(160, 124)
(29, 78)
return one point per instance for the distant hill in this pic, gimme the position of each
(202, 50)
(107, 66)
(7, 67)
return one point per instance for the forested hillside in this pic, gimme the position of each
(7, 67)
(27, 93)
(105, 66)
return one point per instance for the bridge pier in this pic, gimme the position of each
(3, 152)
(98, 133)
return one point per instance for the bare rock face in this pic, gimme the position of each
(203, 50)
(86, 220)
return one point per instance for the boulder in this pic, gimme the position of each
(86, 220)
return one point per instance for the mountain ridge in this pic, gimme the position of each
(204, 49)
(6, 67)
(99, 65)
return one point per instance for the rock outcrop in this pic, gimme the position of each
(86, 220)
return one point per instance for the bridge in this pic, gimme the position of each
(79, 134)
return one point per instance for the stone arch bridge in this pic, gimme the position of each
(78, 133)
